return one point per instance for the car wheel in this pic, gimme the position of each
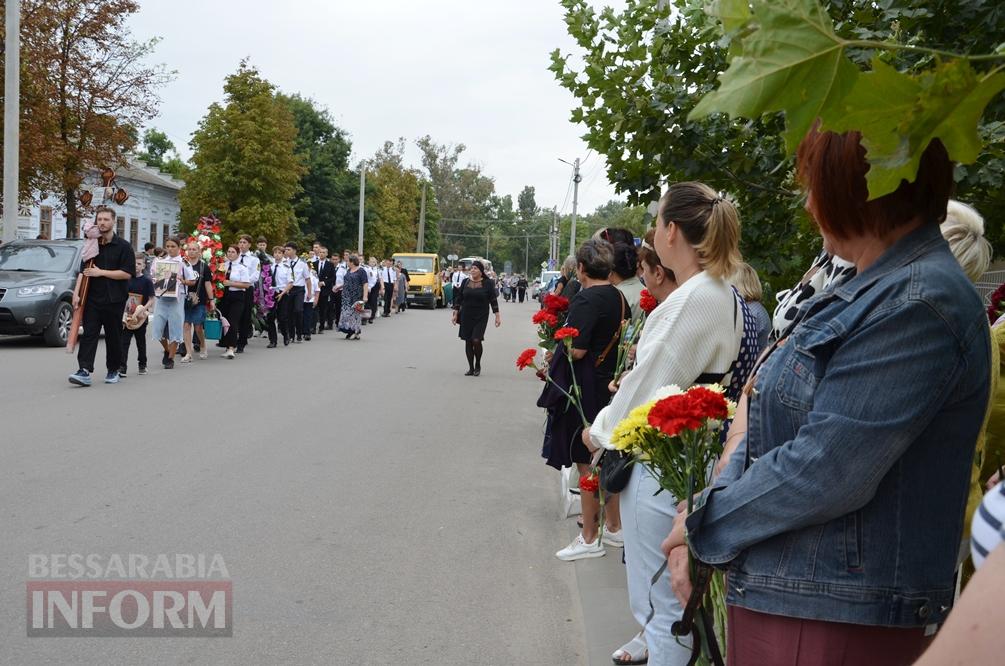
(56, 333)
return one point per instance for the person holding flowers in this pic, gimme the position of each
(693, 336)
(585, 364)
(840, 514)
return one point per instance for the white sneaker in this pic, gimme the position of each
(580, 550)
(613, 539)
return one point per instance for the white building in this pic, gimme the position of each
(149, 215)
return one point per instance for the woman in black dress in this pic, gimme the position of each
(471, 310)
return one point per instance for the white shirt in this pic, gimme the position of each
(314, 286)
(300, 271)
(457, 278)
(340, 270)
(690, 333)
(281, 271)
(238, 273)
(387, 274)
(371, 276)
(250, 261)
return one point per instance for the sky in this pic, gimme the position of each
(463, 71)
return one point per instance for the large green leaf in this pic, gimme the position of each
(793, 63)
(899, 115)
(733, 13)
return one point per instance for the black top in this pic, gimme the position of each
(201, 269)
(143, 286)
(477, 299)
(597, 312)
(115, 255)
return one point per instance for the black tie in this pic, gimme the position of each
(242, 260)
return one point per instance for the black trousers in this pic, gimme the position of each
(98, 316)
(140, 335)
(308, 323)
(336, 313)
(291, 313)
(324, 309)
(232, 307)
(388, 297)
(244, 332)
(371, 301)
(522, 291)
(270, 323)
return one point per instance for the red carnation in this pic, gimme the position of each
(526, 358)
(673, 414)
(545, 317)
(647, 301)
(589, 483)
(707, 403)
(219, 293)
(566, 332)
(555, 303)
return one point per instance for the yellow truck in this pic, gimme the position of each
(424, 284)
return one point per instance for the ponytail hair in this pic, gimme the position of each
(708, 222)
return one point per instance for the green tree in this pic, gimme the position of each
(159, 152)
(392, 222)
(245, 165)
(328, 203)
(527, 204)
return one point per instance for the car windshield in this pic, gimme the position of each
(416, 264)
(41, 258)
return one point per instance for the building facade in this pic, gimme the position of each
(149, 215)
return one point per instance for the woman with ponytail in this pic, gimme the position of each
(693, 336)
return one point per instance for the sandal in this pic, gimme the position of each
(632, 652)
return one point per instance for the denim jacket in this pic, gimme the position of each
(845, 501)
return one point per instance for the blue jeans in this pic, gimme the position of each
(195, 314)
(646, 520)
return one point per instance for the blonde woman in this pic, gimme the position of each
(692, 336)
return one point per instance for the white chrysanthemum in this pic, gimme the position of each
(718, 388)
(667, 391)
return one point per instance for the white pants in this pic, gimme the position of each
(646, 521)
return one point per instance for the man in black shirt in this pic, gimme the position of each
(106, 299)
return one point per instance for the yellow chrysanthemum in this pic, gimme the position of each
(627, 435)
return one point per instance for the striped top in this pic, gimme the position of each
(986, 533)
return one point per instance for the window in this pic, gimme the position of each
(45, 222)
(153, 233)
(120, 227)
(164, 240)
(134, 233)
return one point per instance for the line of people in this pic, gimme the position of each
(173, 291)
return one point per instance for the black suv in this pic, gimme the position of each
(36, 288)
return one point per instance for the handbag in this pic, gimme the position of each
(213, 328)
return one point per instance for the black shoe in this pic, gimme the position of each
(286, 342)
(271, 345)
(142, 370)
(470, 372)
(348, 335)
(196, 347)
(122, 371)
(181, 349)
(307, 338)
(478, 371)
(165, 358)
(240, 350)
(221, 345)
(169, 364)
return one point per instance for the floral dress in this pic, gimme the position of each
(351, 321)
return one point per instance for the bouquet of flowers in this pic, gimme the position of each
(997, 304)
(207, 234)
(574, 395)
(550, 319)
(677, 437)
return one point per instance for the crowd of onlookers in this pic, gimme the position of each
(870, 421)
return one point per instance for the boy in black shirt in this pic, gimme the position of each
(106, 299)
(139, 307)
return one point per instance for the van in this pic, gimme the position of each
(424, 284)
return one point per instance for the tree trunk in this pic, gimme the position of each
(72, 227)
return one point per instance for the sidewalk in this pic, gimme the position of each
(603, 594)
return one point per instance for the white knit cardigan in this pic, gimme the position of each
(696, 330)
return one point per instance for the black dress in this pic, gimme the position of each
(473, 304)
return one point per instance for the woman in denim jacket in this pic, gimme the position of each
(839, 516)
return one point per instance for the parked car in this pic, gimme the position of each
(36, 288)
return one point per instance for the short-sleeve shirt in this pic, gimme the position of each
(204, 277)
(141, 289)
(597, 312)
(115, 255)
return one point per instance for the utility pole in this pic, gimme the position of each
(576, 178)
(488, 232)
(362, 200)
(526, 254)
(11, 118)
(553, 249)
(420, 246)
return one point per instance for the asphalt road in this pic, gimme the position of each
(371, 503)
